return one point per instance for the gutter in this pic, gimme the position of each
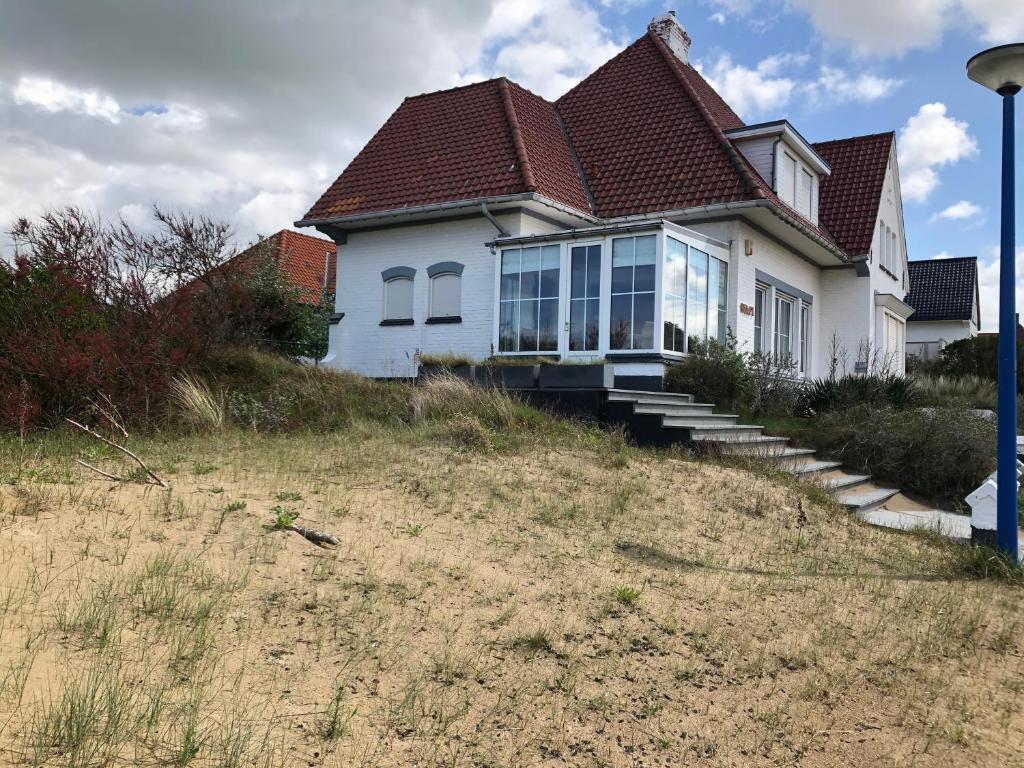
(718, 209)
(476, 202)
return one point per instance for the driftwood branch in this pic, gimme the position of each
(317, 537)
(121, 448)
(99, 471)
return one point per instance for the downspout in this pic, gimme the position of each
(490, 217)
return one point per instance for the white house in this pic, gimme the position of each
(944, 295)
(634, 213)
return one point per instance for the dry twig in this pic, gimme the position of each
(92, 433)
(317, 537)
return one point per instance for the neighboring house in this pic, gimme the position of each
(309, 263)
(631, 215)
(945, 297)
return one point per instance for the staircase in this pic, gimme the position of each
(664, 419)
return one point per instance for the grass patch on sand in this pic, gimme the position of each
(509, 590)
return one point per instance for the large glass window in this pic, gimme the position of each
(697, 295)
(674, 308)
(528, 312)
(584, 297)
(632, 311)
(718, 284)
(695, 288)
(783, 327)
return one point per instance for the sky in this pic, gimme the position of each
(247, 109)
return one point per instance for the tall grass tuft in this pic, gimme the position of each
(196, 404)
(942, 390)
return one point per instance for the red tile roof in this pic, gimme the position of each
(483, 140)
(849, 198)
(645, 136)
(643, 133)
(301, 258)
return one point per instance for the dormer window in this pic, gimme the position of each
(786, 161)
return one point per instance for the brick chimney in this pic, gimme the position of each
(668, 28)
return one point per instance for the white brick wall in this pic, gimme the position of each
(359, 343)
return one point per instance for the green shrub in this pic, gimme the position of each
(832, 394)
(977, 356)
(940, 453)
(712, 373)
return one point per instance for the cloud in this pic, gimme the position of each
(115, 107)
(963, 209)
(752, 91)
(887, 28)
(878, 27)
(837, 84)
(52, 96)
(1001, 21)
(943, 255)
(928, 141)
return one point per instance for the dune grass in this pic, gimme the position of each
(510, 590)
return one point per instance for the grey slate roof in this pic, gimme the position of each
(943, 289)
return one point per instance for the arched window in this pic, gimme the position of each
(445, 292)
(398, 285)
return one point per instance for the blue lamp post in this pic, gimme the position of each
(1001, 69)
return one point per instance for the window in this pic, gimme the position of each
(789, 180)
(445, 296)
(894, 258)
(632, 310)
(805, 338)
(697, 296)
(783, 327)
(804, 202)
(674, 308)
(760, 300)
(528, 313)
(398, 285)
(445, 292)
(718, 284)
(584, 297)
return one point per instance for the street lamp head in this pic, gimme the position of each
(1000, 69)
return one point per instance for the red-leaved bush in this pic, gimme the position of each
(94, 311)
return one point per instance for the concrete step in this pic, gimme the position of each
(634, 395)
(757, 447)
(711, 421)
(729, 433)
(674, 409)
(844, 482)
(790, 457)
(813, 466)
(866, 497)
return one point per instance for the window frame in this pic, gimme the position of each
(436, 272)
(780, 299)
(804, 325)
(763, 292)
(539, 299)
(633, 293)
(391, 277)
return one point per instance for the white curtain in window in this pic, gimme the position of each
(446, 295)
(398, 299)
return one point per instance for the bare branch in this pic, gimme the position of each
(121, 448)
(99, 471)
